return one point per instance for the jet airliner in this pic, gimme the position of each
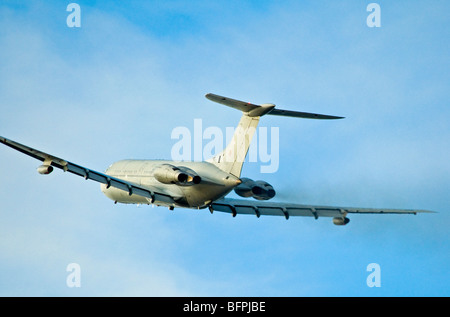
(203, 185)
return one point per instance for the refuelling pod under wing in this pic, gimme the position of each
(341, 221)
(45, 169)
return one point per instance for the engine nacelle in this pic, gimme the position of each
(45, 169)
(169, 174)
(341, 221)
(260, 190)
(192, 177)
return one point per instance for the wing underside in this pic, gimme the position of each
(248, 207)
(86, 173)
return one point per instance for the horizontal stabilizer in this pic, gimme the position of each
(298, 114)
(253, 110)
(239, 105)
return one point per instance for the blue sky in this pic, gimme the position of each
(116, 87)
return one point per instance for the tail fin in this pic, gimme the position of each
(231, 159)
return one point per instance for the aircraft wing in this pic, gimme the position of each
(87, 173)
(260, 208)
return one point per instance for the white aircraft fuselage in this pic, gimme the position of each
(192, 184)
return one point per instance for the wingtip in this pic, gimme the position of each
(423, 211)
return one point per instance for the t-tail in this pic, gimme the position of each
(231, 159)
